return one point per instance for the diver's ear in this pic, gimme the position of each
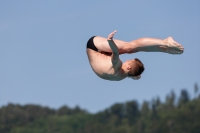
(129, 68)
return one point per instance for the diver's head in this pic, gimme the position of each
(133, 68)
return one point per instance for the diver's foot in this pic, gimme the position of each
(172, 47)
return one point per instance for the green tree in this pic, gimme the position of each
(196, 89)
(184, 97)
(132, 111)
(145, 108)
(170, 101)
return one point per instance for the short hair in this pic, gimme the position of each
(137, 67)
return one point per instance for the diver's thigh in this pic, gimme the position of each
(102, 44)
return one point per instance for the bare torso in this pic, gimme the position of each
(102, 66)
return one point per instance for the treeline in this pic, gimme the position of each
(174, 115)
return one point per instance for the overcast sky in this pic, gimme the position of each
(43, 51)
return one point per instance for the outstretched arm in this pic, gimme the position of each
(114, 48)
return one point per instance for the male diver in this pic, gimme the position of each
(103, 54)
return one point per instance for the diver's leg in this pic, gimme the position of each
(102, 45)
(167, 45)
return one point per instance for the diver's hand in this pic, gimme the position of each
(110, 36)
(136, 77)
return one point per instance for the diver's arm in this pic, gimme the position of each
(115, 52)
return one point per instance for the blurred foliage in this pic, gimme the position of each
(174, 115)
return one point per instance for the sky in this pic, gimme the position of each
(43, 57)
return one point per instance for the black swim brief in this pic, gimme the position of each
(90, 44)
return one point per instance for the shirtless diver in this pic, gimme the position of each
(103, 55)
